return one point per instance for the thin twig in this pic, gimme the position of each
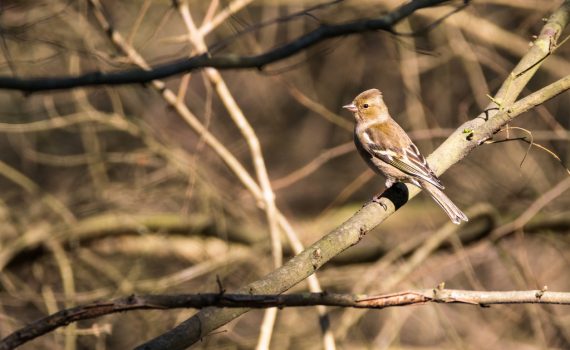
(249, 135)
(532, 210)
(228, 11)
(66, 272)
(199, 301)
(313, 165)
(247, 132)
(184, 65)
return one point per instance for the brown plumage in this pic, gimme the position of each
(388, 150)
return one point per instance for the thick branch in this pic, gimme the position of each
(457, 146)
(230, 61)
(198, 301)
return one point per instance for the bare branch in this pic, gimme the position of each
(199, 301)
(184, 65)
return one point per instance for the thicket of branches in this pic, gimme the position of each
(119, 185)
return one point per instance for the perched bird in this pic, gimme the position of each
(388, 150)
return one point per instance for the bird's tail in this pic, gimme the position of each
(454, 213)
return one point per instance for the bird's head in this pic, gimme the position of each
(368, 105)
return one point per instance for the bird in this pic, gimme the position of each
(389, 151)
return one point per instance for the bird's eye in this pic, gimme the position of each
(365, 105)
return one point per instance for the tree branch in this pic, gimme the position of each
(199, 301)
(229, 61)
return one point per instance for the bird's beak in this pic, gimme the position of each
(351, 107)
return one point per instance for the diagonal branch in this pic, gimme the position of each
(230, 61)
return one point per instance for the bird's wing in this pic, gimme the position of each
(403, 155)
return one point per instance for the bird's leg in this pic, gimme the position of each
(376, 199)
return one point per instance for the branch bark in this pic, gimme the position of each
(198, 301)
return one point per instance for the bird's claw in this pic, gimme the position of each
(376, 199)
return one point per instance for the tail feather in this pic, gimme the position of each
(454, 213)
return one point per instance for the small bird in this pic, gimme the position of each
(388, 150)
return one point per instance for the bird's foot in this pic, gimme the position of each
(377, 199)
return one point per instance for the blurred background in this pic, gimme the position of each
(110, 191)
